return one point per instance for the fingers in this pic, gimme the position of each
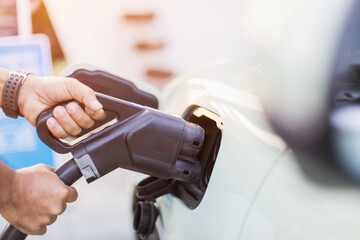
(71, 120)
(42, 197)
(52, 220)
(37, 229)
(79, 115)
(72, 195)
(66, 121)
(55, 128)
(32, 231)
(98, 115)
(84, 94)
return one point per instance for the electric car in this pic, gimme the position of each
(280, 156)
(287, 165)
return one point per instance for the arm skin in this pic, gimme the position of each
(32, 198)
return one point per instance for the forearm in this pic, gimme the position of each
(4, 73)
(6, 179)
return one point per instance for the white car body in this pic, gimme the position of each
(258, 189)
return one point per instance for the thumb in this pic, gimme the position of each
(83, 94)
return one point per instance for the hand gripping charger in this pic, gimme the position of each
(140, 139)
(134, 137)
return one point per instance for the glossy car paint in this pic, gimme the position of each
(248, 150)
(257, 189)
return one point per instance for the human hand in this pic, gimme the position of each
(34, 199)
(40, 93)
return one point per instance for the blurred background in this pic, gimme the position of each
(150, 41)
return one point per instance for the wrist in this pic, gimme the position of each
(7, 185)
(25, 90)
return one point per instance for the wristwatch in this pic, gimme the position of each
(11, 94)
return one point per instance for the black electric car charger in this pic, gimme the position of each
(135, 137)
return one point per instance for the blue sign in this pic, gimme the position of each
(19, 144)
(28, 54)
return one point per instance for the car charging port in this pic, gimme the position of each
(189, 193)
